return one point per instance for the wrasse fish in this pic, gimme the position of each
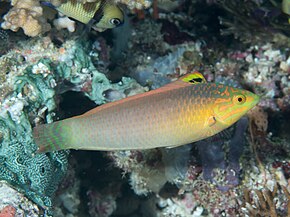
(99, 15)
(178, 113)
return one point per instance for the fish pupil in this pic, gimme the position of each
(240, 99)
(115, 21)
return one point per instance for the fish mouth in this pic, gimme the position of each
(98, 29)
(255, 100)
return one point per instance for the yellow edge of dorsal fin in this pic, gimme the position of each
(193, 78)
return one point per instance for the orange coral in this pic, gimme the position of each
(8, 211)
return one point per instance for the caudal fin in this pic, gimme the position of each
(51, 137)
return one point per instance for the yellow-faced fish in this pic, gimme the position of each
(184, 111)
(286, 8)
(99, 15)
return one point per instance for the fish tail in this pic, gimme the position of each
(51, 137)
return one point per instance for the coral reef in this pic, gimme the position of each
(244, 171)
(28, 16)
(265, 17)
(138, 4)
(30, 78)
(13, 203)
(264, 204)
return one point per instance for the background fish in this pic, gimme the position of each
(99, 15)
(179, 113)
(286, 8)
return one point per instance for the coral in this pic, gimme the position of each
(146, 171)
(216, 202)
(262, 68)
(100, 204)
(70, 199)
(265, 17)
(259, 118)
(180, 206)
(67, 199)
(34, 175)
(8, 211)
(254, 67)
(176, 161)
(138, 4)
(13, 203)
(32, 87)
(26, 15)
(263, 202)
(64, 23)
(149, 174)
(30, 16)
(180, 181)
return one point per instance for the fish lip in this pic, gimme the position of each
(256, 99)
(98, 29)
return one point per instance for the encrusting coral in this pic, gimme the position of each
(138, 4)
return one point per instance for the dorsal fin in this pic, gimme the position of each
(193, 78)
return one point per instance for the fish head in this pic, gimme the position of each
(231, 104)
(112, 17)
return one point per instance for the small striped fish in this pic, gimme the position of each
(99, 15)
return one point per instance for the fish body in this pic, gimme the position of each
(99, 15)
(176, 114)
(286, 8)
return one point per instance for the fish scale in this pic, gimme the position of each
(81, 12)
(176, 114)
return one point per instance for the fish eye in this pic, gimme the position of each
(239, 99)
(115, 21)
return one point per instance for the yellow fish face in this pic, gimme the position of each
(112, 17)
(232, 104)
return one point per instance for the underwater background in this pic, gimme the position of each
(53, 67)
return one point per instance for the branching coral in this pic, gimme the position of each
(27, 15)
(264, 202)
(264, 16)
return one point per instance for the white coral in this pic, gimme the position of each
(26, 14)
